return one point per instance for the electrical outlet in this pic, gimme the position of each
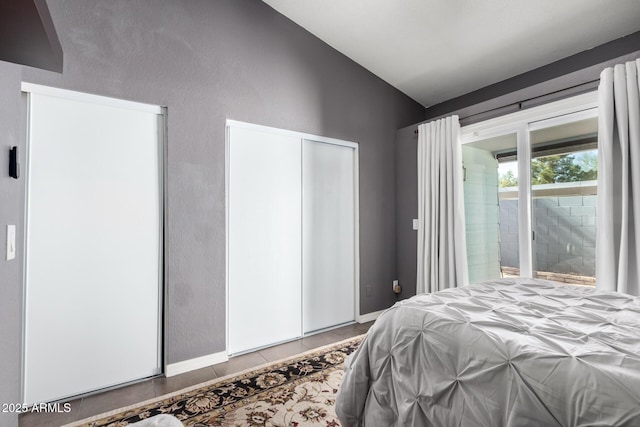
(396, 287)
(369, 291)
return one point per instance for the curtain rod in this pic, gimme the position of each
(519, 103)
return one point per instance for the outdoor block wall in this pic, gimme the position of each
(565, 234)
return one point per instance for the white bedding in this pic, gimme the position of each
(517, 352)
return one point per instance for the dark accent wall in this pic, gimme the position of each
(208, 61)
(568, 77)
(406, 209)
(27, 35)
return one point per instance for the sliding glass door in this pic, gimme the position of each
(491, 214)
(530, 193)
(564, 167)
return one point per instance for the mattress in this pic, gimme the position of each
(519, 352)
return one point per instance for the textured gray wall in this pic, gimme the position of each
(406, 209)
(509, 233)
(11, 202)
(525, 87)
(208, 61)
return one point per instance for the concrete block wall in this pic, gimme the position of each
(565, 234)
(509, 252)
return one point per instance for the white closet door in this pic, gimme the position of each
(264, 239)
(93, 271)
(328, 235)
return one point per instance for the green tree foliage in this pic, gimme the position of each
(563, 168)
(573, 167)
(508, 180)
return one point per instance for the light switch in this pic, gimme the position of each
(11, 242)
(415, 224)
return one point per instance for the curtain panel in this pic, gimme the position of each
(618, 211)
(442, 250)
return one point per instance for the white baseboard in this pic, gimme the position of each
(369, 317)
(196, 363)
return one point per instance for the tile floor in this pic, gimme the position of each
(131, 394)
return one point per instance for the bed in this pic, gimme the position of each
(512, 352)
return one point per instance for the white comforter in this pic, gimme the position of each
(506, 353)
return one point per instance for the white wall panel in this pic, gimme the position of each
(265, 237)
(93, 272)
(328, 235)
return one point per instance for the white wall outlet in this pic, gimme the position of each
(415, 224)
(396, 287)
(11, 242)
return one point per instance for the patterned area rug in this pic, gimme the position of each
(294, 392)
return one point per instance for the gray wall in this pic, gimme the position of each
(11, 202)
(208, 61)
(406, 209)
(528, 88)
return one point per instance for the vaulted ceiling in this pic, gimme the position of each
(434, 50)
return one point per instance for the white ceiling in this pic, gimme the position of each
(434, 50)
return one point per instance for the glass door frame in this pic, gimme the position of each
(522, 123)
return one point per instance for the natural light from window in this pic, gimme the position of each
(564, 168)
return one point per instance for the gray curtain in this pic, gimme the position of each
(442, 249)
(618, 231)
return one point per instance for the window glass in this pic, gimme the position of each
(564, 168)
(486, 210)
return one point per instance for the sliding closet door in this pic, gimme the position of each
(264, 255)
(328, 235)
(93, 244)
